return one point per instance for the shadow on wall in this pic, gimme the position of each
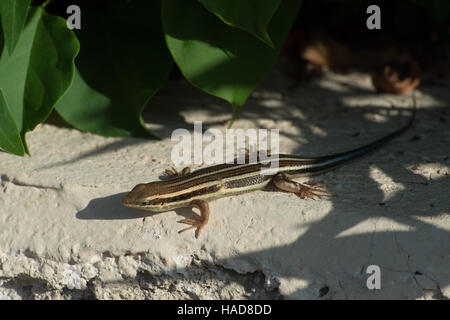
(324, 256)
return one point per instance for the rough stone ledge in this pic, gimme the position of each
(131, 276)
(65, 235)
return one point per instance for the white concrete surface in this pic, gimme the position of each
(65, 235)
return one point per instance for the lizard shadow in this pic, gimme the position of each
(111, 208)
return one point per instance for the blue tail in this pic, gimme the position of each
(338, 158)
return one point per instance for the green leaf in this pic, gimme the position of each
(10, 140)
(249, 15)
(13, 14)
(39, 71)
(122, 63)
(224, 61)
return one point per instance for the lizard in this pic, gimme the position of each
(197, 188)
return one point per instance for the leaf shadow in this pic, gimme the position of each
(328, 255)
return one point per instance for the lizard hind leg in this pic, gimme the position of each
(172, 172)
(282, 182)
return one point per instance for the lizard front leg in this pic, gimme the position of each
(282, 182)
(199, 221)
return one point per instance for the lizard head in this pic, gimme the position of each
(145, 197)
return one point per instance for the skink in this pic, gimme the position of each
(196, 189)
